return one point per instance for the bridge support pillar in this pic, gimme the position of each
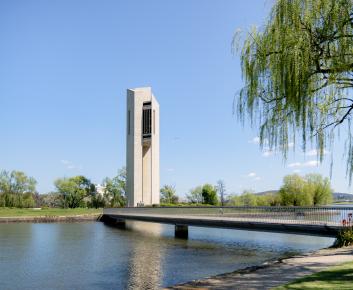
(181, 231)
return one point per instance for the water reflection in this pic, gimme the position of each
(144, 256)
(145, 264)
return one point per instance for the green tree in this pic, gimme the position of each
(195, 195)
(73, 190)
(28, 200)
(270, 199)
(209, 194)
(16, 189)
(97, 201)
(16, 182)
(293, 191)
(121, 180)
(234, 200)
(248, 198)
(263, 200)
(298, 75)
(312, 189)
(115, 189)
(168, 194)
(319, 188)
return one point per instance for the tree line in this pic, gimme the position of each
(19, 190)
(296, 190)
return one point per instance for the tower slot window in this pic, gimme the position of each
(146, 120)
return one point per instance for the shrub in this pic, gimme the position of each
(97, 201)
(344, 238)
(28, 201)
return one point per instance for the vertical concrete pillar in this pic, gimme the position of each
(181, 231)
(142, 147)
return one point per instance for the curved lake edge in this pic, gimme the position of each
(97, 217)
(51, 219)
(274, 273)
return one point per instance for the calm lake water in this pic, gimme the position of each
(144, 256)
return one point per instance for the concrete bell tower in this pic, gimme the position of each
(142, 147)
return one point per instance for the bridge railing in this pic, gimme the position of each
(334, 216)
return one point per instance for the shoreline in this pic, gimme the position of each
(273, 273)
(51, 219)
(269, 274)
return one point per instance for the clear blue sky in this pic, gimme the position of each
(65, 67)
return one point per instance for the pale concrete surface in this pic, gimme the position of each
(142, 158)
(273, 274)
(280, 226)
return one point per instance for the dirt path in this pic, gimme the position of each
(274, 274)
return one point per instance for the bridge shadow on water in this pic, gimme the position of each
(157, 258)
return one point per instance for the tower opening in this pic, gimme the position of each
(146, 120)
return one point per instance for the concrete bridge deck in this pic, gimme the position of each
(318, 221)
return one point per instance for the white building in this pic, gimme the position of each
(100, 189)
(142, 147)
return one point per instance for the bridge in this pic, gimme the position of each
(317, 221)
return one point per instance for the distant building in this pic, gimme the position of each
(142, 147)
(100, 189)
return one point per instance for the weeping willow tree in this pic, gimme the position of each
(298, 74)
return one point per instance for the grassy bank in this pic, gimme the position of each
(338, 277)
(29, 212)
(342, 202)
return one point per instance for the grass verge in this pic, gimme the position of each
(29, 212)
(338, 277)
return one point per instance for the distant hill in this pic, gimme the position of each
(266, 192)
(337, 196)
(342, 196)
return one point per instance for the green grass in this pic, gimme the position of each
(338, 277)
(18, 212)
(342, 202)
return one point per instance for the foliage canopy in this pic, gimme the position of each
(168, 195)
(115, 189)
(16, 189)
(205, 194)
(308, 190)
(312, 189)
(298, 73)
(73, 190)
(209, 194)
(195, 195)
